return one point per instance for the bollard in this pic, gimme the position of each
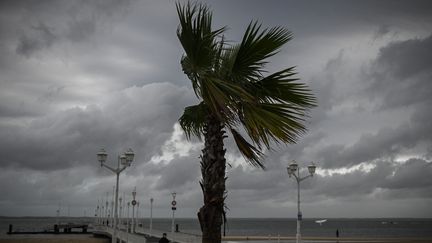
(177, 228)
(10, 229)
(56, 228)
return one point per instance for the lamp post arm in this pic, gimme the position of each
(122, 169)
(109, 168)
(304, 178)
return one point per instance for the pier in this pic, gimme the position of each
(57, 229)
(67, 228)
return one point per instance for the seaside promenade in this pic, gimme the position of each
(142, 234)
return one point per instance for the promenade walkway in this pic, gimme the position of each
(140, 233)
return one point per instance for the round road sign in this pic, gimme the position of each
(134, 202)
(174, 203)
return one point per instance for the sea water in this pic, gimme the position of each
(363, 228)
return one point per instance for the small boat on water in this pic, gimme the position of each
(321, 221)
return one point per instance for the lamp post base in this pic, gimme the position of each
(298, 238)
(298, 235)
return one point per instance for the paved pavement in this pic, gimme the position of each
(141, 235)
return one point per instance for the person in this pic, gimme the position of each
(337, 233)
(164, 239)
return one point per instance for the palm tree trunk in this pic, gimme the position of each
(210, 215)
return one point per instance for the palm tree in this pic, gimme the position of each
(235, 93)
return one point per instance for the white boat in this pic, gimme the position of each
(321, 221)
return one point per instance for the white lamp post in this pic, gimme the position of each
(133, 210)
(137, 214)
(102, 215)
(98, 212)
(106, 212)
(123, 161)
(128, 219)
(112, 214)
(151, 215)
(112, 207)
(124, 208)
(292, 169)
(121, 212)
(173, 204)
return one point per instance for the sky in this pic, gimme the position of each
(78, 76)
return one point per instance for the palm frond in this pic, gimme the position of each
(199, 41)
(252, 154)
(282, 87)
(266, 122)
(222, 98)
(193, 120)
(251, 54)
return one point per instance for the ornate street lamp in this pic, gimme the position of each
(123, 161)
(292, 169)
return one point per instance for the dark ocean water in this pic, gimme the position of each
(263, 227)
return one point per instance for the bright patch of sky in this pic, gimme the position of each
(175, 146)
(363, 167)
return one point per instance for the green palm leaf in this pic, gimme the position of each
(252, 154)
(266, 122)
(249, 57)
(199, 41)
(193, 120)
(281, 87)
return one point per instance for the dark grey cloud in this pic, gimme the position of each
(382, 31)
(40, 38)
(395, 180)
(387, 142)
(43, 23)
(415, 173)
(402, 72)
(71, 137)
(182, 170)
(399, 78)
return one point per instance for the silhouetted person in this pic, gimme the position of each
(164, 239)
(337, 233)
